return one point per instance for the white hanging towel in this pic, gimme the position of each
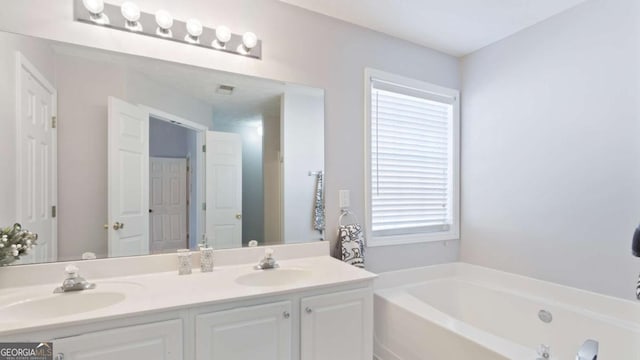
(351, 242)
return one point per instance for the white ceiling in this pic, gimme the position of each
(456, 27)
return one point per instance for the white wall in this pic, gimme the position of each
(550, 172)
(302, 140)
(300, 47)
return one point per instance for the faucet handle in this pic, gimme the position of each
(72, 271)
(268, 253)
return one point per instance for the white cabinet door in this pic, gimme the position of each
(337, 326)
(257, 332)
(161, 341)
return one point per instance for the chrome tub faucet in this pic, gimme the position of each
(74, 282)
(588, 351)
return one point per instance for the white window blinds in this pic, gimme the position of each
(411, 160)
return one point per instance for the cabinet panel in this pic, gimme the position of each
(337, 326)
(256, 332)
(162, 340)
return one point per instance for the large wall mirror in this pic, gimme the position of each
(106, 154)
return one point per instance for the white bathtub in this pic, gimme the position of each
(461, 311)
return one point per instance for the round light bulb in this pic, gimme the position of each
(194, 27)
(130, 11)
(164, 19)
(223, 34)
(249, 40)
(93, 6)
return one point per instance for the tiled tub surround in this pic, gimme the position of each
(460, 311)
(182, 312)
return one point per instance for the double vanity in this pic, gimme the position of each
(311, 307)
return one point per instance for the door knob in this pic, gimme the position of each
(238, 216)
(118, 225)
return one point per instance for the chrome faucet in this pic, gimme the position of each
(268, 262)
(73, 282)
(588, 351)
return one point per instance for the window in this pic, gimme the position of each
(412, 160)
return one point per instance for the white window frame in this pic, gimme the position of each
(454, 231)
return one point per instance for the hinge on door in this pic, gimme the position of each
(54, 211)
(54, 122)
(204, 206)
(204, 148)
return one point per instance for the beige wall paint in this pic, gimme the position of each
(299, 47)
(272, 179)
(83, 89)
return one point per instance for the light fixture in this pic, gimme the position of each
(96, 8)
(223, 35)
(165, 22)
(127, 16)
(249, 41)
(131, 14)
(194, 30)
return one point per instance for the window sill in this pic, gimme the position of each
(412, 238)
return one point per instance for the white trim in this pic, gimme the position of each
(200, 158)
(23, 62)
(454, 232)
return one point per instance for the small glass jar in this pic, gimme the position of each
(184, 262)
(206, 259)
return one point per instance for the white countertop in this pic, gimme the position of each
(168, 291)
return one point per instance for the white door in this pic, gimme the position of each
(128, 173)
(36, 159)
(168, 204)
(337, 326)
(162, 341)
(224, 190)
(257, 332)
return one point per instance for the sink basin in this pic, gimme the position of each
(38, 306)
(273, 277)
(56, 305)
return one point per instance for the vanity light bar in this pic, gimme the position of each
(162, 25)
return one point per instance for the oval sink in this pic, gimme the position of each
(56, 305)
(273, 277)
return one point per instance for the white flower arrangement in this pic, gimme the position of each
(15, 242)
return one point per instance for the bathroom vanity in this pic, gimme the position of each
(308, 308)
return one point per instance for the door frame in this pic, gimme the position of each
(23, 62)
(197, 158)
